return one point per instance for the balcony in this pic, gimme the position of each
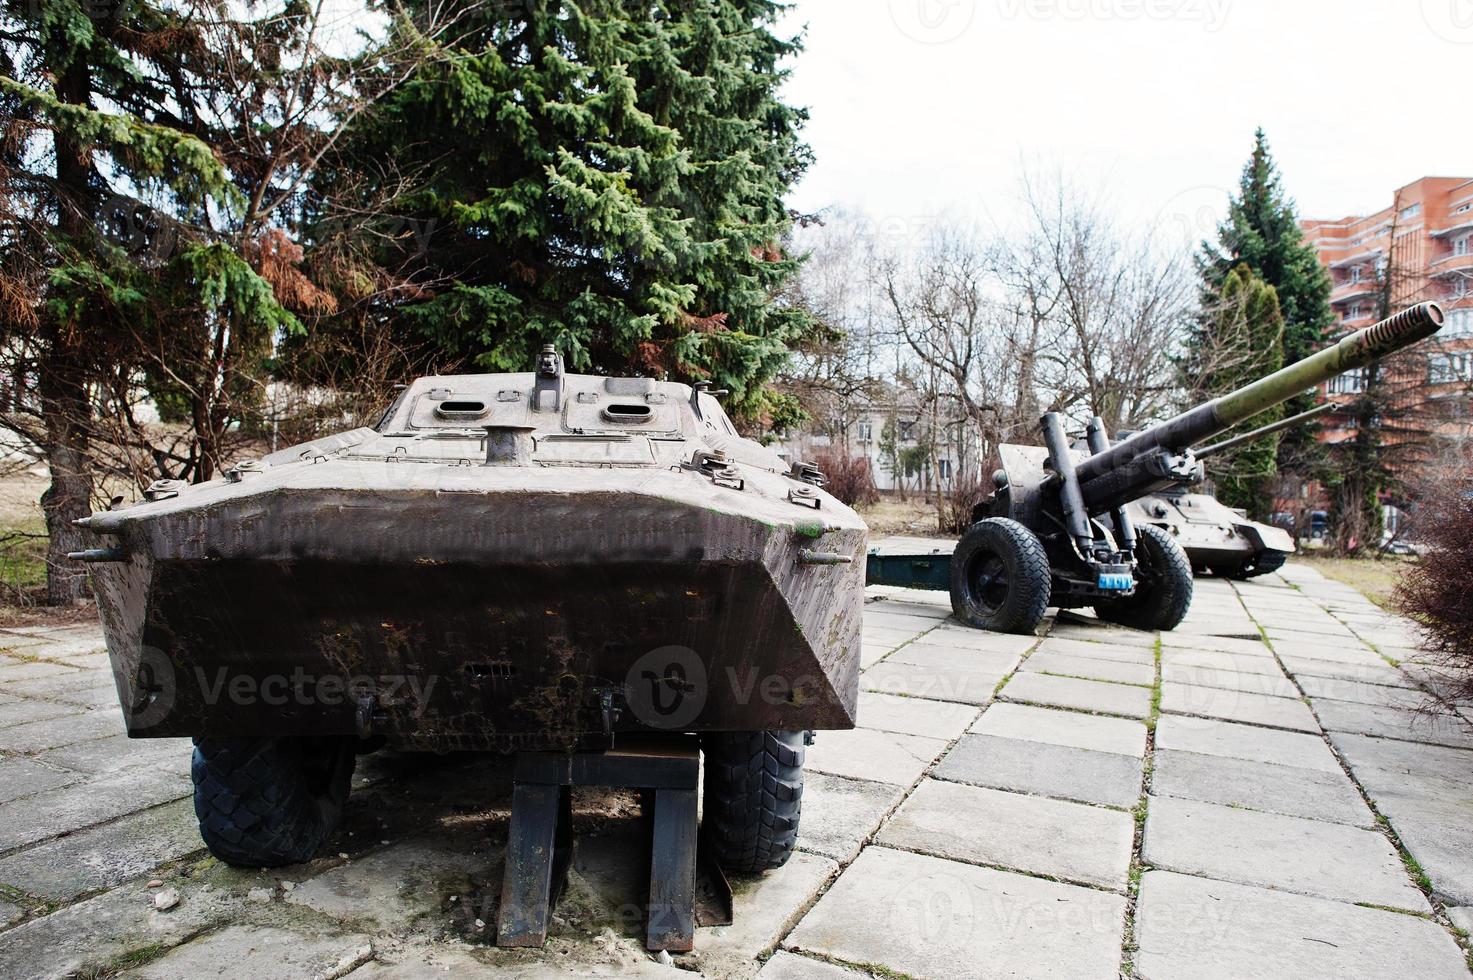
(1346, 292)
(1451, 263)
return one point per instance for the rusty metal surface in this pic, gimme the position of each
(504, 562)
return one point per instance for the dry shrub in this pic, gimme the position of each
(954, 505)
(1435, 590)
(850, 478)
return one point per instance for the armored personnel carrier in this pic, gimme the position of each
(1215, 537)
(538, 561)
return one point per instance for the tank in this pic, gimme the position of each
(528, 561)
(1216, 538)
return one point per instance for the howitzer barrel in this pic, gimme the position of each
(1205, 452)
(1140, 464)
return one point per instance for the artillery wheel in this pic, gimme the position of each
(1262, 563)
(753, 798)
(265, 802)
(1163, 593)
(1000, 577)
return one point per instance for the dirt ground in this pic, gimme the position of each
(894, 515)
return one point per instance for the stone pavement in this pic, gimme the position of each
(1272, 790)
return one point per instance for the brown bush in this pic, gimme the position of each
(850, 478)
(954, 505)
(1435, 590)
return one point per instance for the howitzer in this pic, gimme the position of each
(1057, 530)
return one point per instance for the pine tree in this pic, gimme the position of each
(148, 149)
(1240, 338)
(605, 175)
(1262, 232)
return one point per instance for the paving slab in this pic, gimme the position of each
(1067, 692)
(1118, 735)
(927, 917)
(870, 654)
(1430, 814)
(92, 934)
(392, 887)
(1253, 709)
(1060, 771)
(105, 755)
(1235, 741)
(953, 635)
(1236, 646)
(864, 753)
(1092, 668)
(13, 670)
(964, 685)
(1260, 786)
(1410, 726)
(1309, 857)
(790, 966)
(24, 712)
(25, 777)
(914, 716)
(1117, 652)
(71, 808)
(1382, 673)
(1217, 660)
(1073, 626)
(1364, 692)
(887, 637)
(1197, 929)
(1364, 752)
(1033, 834)
(926, 654)
(1349, 652)
(1264, 682)
(840, 814)
(261, 953)
(764, 909)
(91, 860)
(80, 726)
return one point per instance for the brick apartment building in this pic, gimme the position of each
(1422, 245)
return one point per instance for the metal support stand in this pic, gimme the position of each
(539, 846)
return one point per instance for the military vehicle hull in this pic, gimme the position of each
(1215, 537)
(402, 584)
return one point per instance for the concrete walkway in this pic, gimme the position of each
(1263, 792)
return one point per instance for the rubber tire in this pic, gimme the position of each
(1161, 601)
(1265, 563)
(1029, 581)
(753, 798)
(266, 802)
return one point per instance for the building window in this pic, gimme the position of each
(1349, 383)
(1355, 274)
(1354, 312)
(1410, 212)
(866, 431)
(907, 431)
(1459, 324)
(1461, 245)
(1446, 368)
(1458, 289)
(943, 468)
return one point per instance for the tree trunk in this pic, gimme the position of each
(65, 406)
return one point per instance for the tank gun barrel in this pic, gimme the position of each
(1160, 456)
(1206, 452)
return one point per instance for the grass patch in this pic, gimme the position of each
(23, 554)
(130, 960)
(1376, 579)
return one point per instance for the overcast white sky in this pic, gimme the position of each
(927, 106)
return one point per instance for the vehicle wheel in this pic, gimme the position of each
(265, 802)
(753, 798)
(1262, 563)
(1000, 578)
(1163, 593)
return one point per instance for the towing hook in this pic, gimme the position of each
(99, 555)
